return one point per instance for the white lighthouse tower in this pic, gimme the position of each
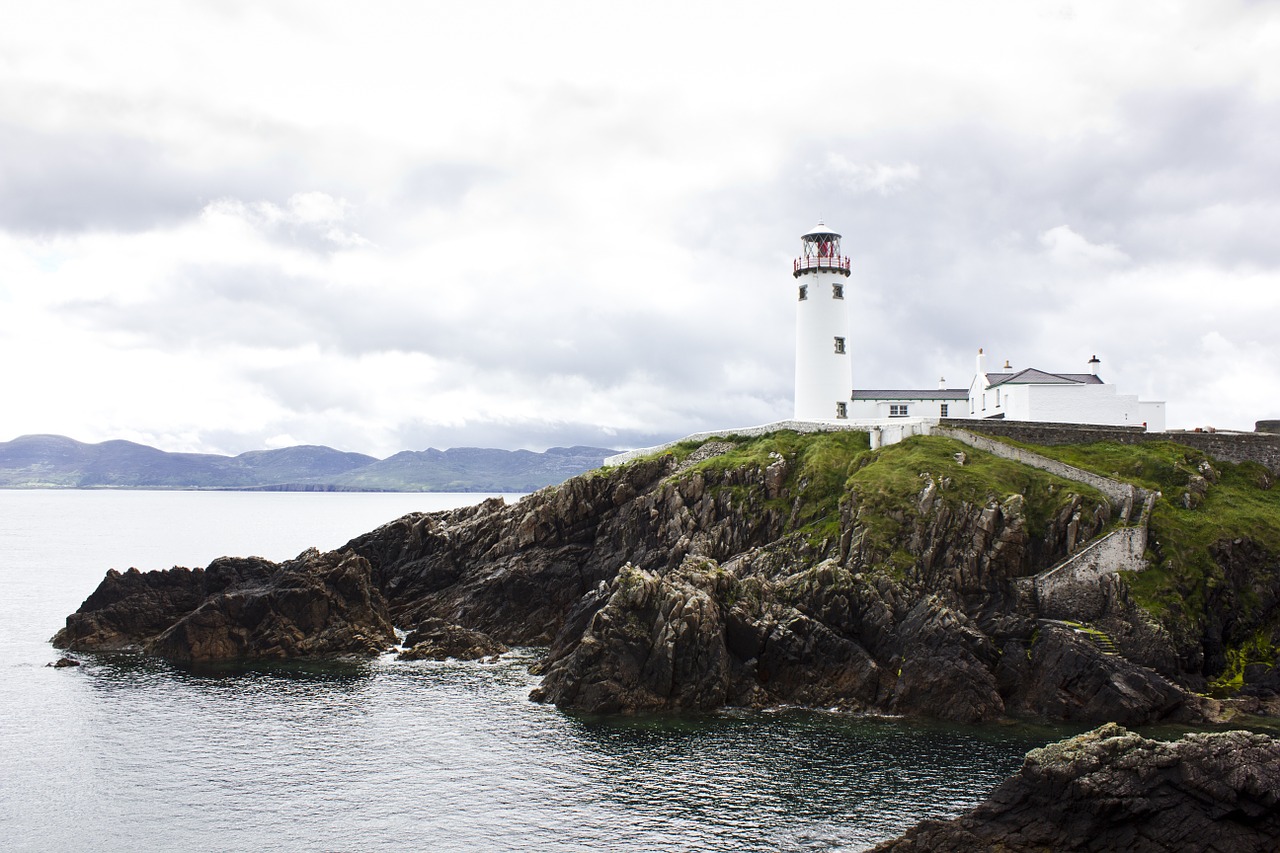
(824, 374)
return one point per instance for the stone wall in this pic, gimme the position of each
(1072, 589)
(1260, 447)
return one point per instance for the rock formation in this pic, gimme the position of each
(784, 569)
(435, 639)
(1111, 789)
(316, 605)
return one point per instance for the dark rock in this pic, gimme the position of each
(315, 605)
(1114, 790)
(435, 639)
(948, 667)
(63, 662)
(1069, 678)
(657, 643)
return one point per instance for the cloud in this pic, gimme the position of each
(1068, 248)
(880, 178)
(370, 236)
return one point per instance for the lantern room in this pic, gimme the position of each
(820, 251)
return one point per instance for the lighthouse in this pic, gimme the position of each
(824, 373)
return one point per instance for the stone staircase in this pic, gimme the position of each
(1099, 639)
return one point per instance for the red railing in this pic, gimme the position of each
(821, 263)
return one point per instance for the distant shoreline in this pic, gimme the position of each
(58, 462)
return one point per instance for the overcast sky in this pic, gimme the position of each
(386, 226)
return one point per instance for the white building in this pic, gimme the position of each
(1018, 395)
(825, 390)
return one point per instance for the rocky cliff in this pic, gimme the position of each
(1114, 790)
(782, 569)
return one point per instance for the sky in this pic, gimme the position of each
(389, 226)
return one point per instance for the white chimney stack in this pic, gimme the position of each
(1093, 365)
(982, 367)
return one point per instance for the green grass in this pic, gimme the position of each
(889, 485)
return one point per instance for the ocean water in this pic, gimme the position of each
(128, 754)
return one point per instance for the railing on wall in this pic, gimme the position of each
(821, 263)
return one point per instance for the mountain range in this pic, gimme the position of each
(58, 462)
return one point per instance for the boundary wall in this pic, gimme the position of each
(1260, 447)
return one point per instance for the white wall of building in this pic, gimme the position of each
(1152, 413)
(1065, 403)
(824, 377)
(915, 408)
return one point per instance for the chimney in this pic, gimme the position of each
(1007, 365)
(942, 383)
(1093, 365)
(982, 366)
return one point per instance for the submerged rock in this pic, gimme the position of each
(313, 606)
(1111, 789)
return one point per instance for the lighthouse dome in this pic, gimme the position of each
(819, 230)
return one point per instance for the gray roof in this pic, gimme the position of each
(931, 394)
(1031, 376)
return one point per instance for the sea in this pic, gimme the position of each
(129, 754)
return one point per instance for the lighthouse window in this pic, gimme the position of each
(837, 291)
(897, 410)
(944, 410)
(804, 291)
(839, 346)
(842, 410)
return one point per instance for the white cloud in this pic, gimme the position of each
(881, 178)
(1066, 247)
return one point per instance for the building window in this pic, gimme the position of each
(839, 346)
(804, 292)
(943, 412)
(837, 291)
(897, 410)
(842, 410)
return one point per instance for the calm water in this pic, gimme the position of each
(133, 755)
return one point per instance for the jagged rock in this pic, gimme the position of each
(657, 643)
(803, 661)
(948, 666)
(315, 605)
(1069, 678)
(1197, 488)
(1110, 789)
(63, 663)
(435, 639)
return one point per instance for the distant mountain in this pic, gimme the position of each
(55, 461)
(474, 469)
